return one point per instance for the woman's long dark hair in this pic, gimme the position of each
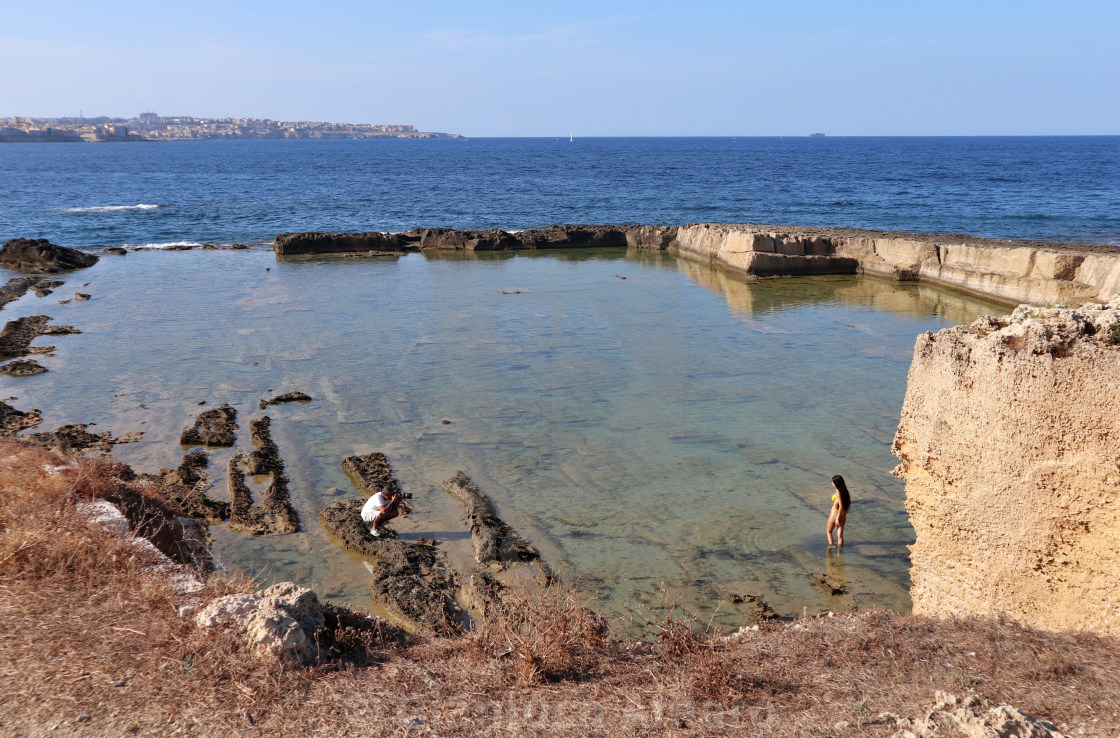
(845, 498)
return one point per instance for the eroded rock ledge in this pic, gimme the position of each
(1010, 449)
(1033, 272)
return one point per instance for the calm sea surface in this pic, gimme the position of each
(1055, 188)
(673, 430)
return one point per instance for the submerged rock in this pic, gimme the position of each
(40, 255)
(830, 584)
(286, 397)
(751, 605)
(215, 427)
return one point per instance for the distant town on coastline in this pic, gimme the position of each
(155, 127)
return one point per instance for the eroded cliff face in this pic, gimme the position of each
(1010, 449)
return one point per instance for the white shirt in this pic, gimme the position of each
(373, 506)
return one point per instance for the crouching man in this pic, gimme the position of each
(381, 508)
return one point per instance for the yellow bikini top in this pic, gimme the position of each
(835, 496)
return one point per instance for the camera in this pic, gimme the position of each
(406, 495)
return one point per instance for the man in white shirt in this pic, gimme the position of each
(381, 508)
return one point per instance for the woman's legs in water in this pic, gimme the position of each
(832, 518)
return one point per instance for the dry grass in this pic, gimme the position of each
(93, 646)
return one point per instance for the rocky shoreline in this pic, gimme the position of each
(1013, 272)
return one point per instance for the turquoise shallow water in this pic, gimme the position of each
(651, 423)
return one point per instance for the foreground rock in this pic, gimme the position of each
(40, 255)
(504, 559)
(280, 622)
(1010, 448)
(13, 421)
(971, 716)
(286, 397)
(187, 486)
(216, 427)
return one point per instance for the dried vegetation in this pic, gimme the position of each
(93, 646)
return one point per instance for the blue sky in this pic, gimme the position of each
(592, 68)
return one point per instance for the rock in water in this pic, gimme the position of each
(286, 397)
(411, 580)
(370, 472)
(22, 368)
(40, 255)
(212, 428)
(274, 512)
(495, 542)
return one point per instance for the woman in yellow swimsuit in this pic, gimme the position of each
(841, 501)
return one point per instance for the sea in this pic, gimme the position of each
(663, 430)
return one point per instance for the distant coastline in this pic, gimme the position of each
(154, 127)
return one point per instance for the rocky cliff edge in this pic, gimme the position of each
(1010, 449)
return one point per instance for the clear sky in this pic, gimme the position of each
(896, 67)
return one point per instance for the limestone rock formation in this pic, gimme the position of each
(1010, 448)
(16, 338)
(42, 256)
(1021, 271)
(273, 513)
(973, 717)
(280, 622)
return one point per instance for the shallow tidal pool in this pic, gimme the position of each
(659, 428)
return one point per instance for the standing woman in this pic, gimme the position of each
(841, 501)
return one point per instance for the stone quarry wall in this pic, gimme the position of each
(1014, 272)
(1010, 449)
